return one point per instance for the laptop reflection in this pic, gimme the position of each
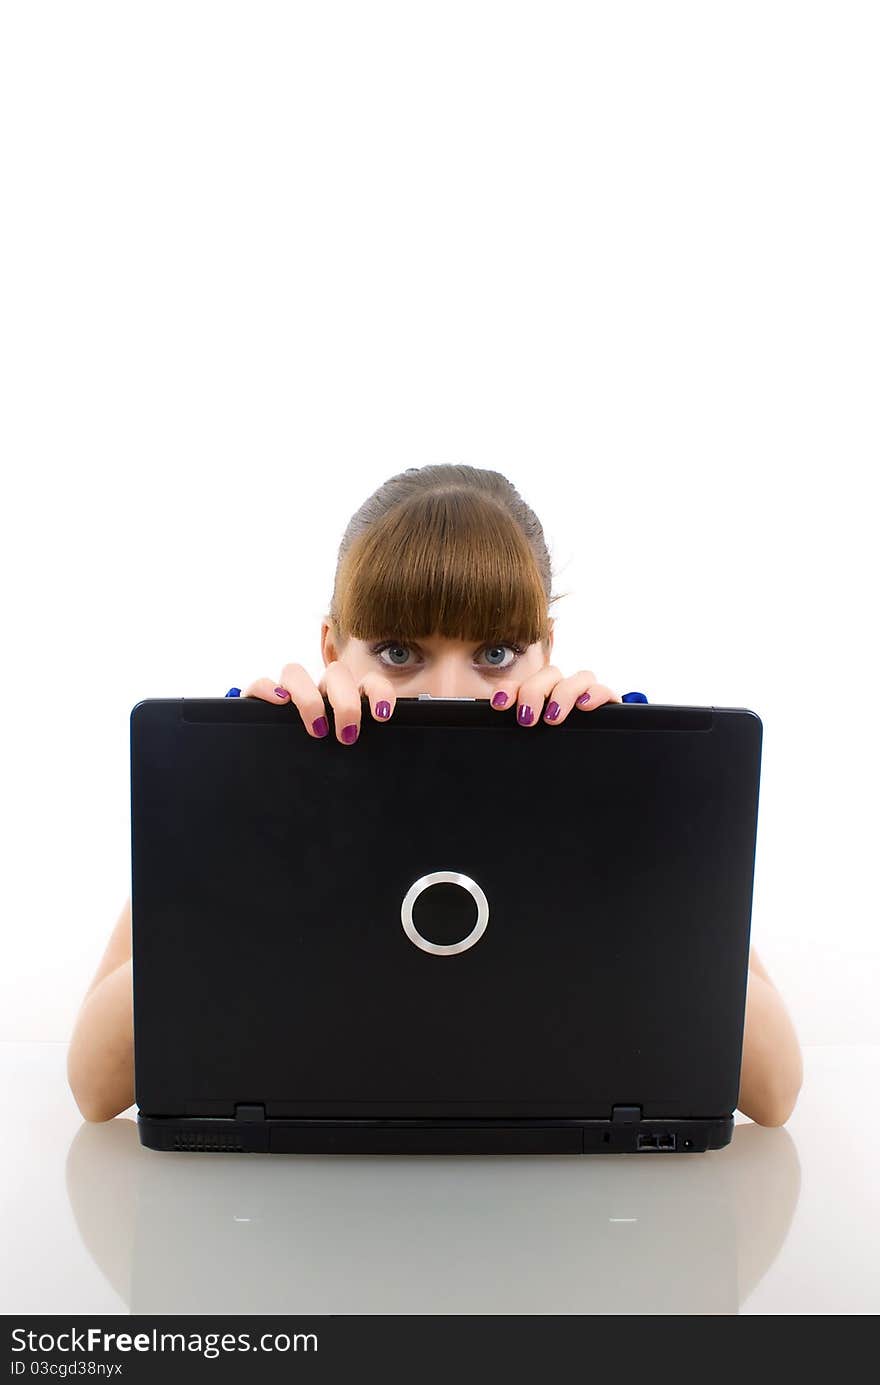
(456, 1234)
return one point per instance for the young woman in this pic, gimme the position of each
(442, 586)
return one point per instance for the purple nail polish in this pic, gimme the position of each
(583, 699)
(526, 715)
(552, 711)
(320, 727)
(349, 734)
(383, 709)
(281, 692)
(500, 699)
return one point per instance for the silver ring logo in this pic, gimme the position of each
(445, 877)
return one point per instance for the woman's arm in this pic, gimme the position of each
(100, 1057)
(772, 1065)
(118, 948)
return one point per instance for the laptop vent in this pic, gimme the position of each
(205, 1142)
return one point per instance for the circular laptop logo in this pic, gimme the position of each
(444, 877)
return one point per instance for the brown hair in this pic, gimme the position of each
(443, 550)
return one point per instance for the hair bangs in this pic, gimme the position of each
(447, 562)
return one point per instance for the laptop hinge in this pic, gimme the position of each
(248, 1111)
(626, 1115)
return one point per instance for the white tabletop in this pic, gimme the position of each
(781, 1221)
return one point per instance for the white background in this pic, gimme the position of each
(258, 258)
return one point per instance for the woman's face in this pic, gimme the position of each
(436, 665)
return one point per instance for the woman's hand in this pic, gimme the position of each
(580, 691)
(343, 692)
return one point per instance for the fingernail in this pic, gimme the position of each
(552, 711)
(281, 692)
(234, 692)
(349, 734)
(526, 715)
(583, 699)
(383, 709)
(500, 699)
(320, 727)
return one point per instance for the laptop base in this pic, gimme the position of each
(225, 1135)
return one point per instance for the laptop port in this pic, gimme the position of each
(655, 1139)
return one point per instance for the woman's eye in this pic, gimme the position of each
(397, 655)
(393, 649)
(493, 649)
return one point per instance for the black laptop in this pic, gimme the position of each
(458, 935)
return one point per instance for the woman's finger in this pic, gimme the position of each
(565, 694)
(345, 698)
(268, 689)
(531, 693)
(594, 695)
(380, 694)
(294, 686)
(306, 697)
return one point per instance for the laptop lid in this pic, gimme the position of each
(455, 917)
